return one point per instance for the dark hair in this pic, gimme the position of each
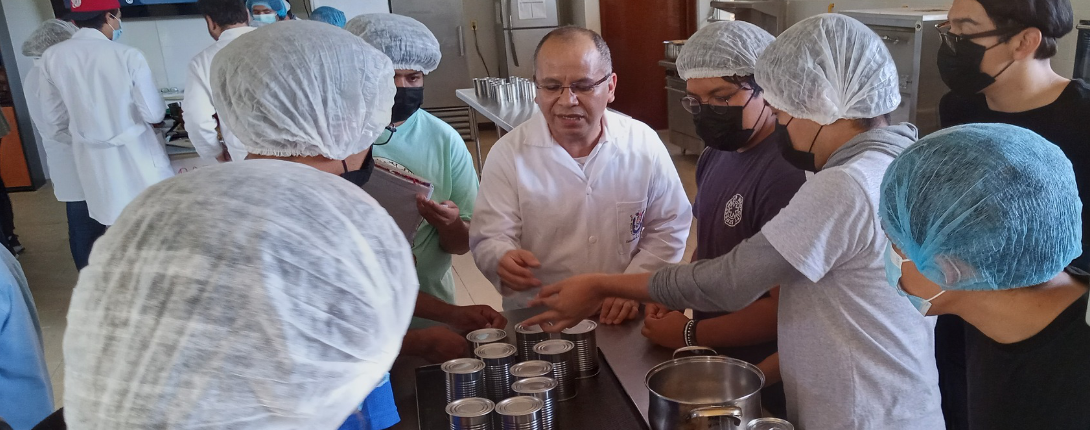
(1054, 18)
(224, 12)
(867, 124)
(96, 22)
(745, 82)
(571, 32)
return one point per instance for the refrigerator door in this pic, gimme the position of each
(520, 45)
(444, 19)
(528, 13)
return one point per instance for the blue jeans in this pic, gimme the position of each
(83, 231)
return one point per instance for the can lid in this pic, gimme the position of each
(470, 407)
(534, 329)
(519, 405)
(585, 326)
(534, 385)
(486, 335)
(494, 351)
(527, 369)
(554, 346)
(462, 366)
(769, 424)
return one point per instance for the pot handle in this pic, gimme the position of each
(734, 413)
(694, 351)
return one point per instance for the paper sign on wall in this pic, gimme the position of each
(532, 9)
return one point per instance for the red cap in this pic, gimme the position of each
(86, 9)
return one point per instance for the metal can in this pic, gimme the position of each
(473, 413)
(498, 358)
(583, 335)
(520, 413)
(769, 424)
(526, 337)
(544, 389)
(531, 369)
(485, 336)
(561, 354)
(465, 378)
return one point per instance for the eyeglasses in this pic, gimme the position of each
(951, 40)
(693, 105)
(574, 88)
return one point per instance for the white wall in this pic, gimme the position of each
(168, 44)
(22, 18)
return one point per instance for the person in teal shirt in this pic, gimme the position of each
(424, 146)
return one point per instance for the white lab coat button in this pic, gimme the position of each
(593, 239)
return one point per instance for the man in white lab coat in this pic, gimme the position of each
(227, 20)
(577, 189)
(102, 95)
(82, 230)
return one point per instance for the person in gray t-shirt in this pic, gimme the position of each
(854, 355)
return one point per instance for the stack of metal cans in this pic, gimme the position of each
(561, 354)
(543, 389)
(473, 413)
(510, 90)
(498, 359)
(520, 413)
(465, 378)
(586, 348)
(526, 337)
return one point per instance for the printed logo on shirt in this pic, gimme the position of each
(76, 3)
(636, 226)
(732, 213)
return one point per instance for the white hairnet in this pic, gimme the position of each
(257, 295)
(406, 41)
(829, 67)
(49, 33)
(726, 48)
(303, 88)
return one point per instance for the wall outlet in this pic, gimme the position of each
(473, 25)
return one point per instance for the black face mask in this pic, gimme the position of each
(961, 71)
(803, 160)
(361, 176)
(407, 101)
(724, 131)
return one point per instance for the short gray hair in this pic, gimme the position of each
(571, 32)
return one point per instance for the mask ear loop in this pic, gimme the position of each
(345, 165)
(815, 138)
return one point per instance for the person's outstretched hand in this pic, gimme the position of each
(569, 301)
(474, 317)
(514, 270)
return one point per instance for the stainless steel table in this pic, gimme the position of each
(625, 349)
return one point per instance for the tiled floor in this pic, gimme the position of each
(42, 227)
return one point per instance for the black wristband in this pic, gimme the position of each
(690, 333)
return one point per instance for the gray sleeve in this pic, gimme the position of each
(727, 283)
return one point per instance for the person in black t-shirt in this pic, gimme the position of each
(995, 57)
(982, 220)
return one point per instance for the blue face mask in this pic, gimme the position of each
(264, 19)
(893, 275)
(118, 30)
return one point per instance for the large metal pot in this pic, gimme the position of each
(672, 48)
(703, 393)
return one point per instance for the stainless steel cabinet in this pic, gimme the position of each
(913, 42)
(444, 19)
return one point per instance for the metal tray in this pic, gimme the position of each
(601, 404)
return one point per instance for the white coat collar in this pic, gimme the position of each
(609, 123)
(233, 33)
(89, 33)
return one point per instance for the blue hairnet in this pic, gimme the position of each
(329, 15)
(983, 207)
(276, 5)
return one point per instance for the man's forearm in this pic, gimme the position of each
(430, 307)
(631, 286)
(750, 326)
(454, 238)
(727, 283)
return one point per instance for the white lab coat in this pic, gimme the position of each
(104, 94)
(58, 153)
(625, 211)
(197, 107)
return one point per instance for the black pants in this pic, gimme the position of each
(83, 231)
(953, 380)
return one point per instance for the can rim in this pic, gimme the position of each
(534, 385)
(534, 329)
(497, 350)
(543, 347)
(528, 403)
(486, 335)
(458, 366)
(584, 327)
(539, 367)
(487, 407)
